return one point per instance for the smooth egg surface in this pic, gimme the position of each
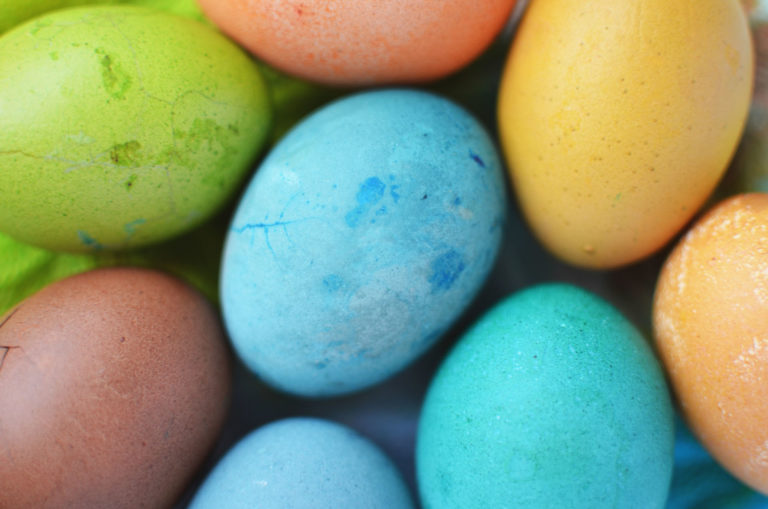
(362, 43)
(304, 463)
(114, 385)
(711, 330)
(617, 119)
(363, 235)
(122, 126)
(552, 399)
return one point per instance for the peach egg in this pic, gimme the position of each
(362, 43)
(711, 326)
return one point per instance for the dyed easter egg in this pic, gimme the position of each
(364, 234)
(304, 462)
(114, 385)
(711, 330)
(122, 126)
(362, 43)
(618, 119)
(552, 399)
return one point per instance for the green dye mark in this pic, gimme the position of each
(116, 80)
(126, 154)
(129, 183)
(54, 55)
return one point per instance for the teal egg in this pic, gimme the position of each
(364, 234)
(552, 399)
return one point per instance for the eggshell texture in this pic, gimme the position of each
(711, 328)
(363, 235)
(618, 119)
(13, 12)
(304, 463)
(122, 126)
(359, 43)
(552, 399)
(114, 384)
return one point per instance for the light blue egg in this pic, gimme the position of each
(303, 463)
(551, 400)
(362, 237)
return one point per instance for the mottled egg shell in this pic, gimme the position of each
(552, 399)
(113, 386)
(122, 126)
(617, 119)
(304, 462)
(362, 236)
(359, 43)
(711, 329)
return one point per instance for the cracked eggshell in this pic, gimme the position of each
(113, 386)
(552, 399)
(711, 330)
(364, 234)
(304, 462)
(362, 43)
(122, 126)
(617, 119)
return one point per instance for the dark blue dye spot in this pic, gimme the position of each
(371, 191)
(393, 193)
(332, 282)
(446, 268)
(381, 211)
(457, 201)
(88, 241)
(476, 158)
(335, 186)
(391, 178)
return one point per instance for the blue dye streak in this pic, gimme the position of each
(476, 158)
(88, 241)
(371, 192)
(446, 268)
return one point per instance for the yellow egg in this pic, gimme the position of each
(618, 119)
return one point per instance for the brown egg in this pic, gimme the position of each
(113, 387)
(711, 326)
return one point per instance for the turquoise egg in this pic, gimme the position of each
(303, 463)
(362, 237)
(552, 399)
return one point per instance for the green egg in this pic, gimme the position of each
(552, 399)
(122, 126)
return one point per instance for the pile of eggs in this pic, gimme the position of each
(392, 254)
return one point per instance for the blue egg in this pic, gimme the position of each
(362, 237)
(303, 463)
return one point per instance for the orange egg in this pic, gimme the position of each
(362, 42)
(711, 326)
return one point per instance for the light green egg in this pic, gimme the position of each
(551, 400)
(122, 126)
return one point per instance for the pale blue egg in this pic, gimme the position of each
(304, 463)
(552, 399)
(362, 237)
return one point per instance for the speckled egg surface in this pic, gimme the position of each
(304, 463)
(362, 236)
(362, 43)
(122, 126)
(711, 328)
(552, 399)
